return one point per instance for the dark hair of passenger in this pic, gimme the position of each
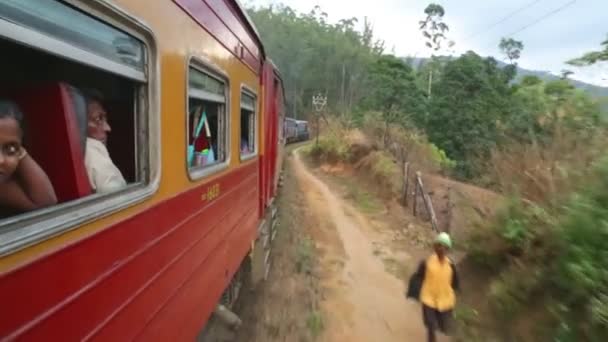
(92, 95)
(9, 109)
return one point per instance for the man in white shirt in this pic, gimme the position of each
(103, 174)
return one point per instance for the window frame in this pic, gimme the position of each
(21, 231)
(256, 122)
(210, 69)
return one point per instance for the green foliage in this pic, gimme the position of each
(592, 57)
(470, 99)
(539, 107)
(304, 256)
(433, 28)
(438, 155)
(559, 251)
(511, 48)
(314, 55)
(383, 166)
(393, 90)
(434, 31)
(513, 291)
(467, 324)
(315, 323)
(331, 148)
(530, 80)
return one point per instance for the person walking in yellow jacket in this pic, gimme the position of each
(435, 284)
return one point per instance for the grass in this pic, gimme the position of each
(466, 321)
(315, 323)
(331, 148)
(396, 268)
(304, 256)
(365, 201)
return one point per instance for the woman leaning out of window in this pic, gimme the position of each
(23, 184)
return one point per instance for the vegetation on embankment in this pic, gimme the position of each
(551, 257)
(539, 143)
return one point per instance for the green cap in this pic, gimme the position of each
(444, 239)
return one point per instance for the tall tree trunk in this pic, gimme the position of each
(342, 94)
(350, 94)
(430, 82)
(295, 99)
(386, 132)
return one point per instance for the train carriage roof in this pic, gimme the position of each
(242, 12)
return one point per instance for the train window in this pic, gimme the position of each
(207, 122)
(81, 88)
(248, 125)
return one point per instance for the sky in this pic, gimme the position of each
(553, 31)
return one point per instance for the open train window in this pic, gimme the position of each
(248, 125)
(207, 122)
(82, 87)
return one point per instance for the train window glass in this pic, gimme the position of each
(76, 28)
(248, 125)
(85, 115)
(207, 121)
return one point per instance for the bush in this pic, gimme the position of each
(582, 276)
(331, 148)
(441, 158)
(557, 250)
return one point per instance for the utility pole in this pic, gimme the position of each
(295, 99)
(319, 102)
(343, 94)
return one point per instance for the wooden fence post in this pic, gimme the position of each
(415, 200)
(406, 182)
(427, 201)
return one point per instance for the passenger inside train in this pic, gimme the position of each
(103, 174)
(24, 186)
(79, 142)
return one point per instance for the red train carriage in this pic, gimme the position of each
(195, 110)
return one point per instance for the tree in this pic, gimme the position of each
(529, 80)
(393, 92)
(434, 31)
(331, 58)
(511, 48)
(565, 74)
(592, 57)
(472, 97)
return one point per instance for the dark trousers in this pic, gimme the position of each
(436, 320)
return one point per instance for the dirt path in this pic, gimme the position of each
(362, 301)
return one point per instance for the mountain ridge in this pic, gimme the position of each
(593, 90)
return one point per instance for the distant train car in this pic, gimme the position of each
(290, 130)
(296, 130)
(302, 132)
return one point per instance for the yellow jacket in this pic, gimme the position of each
(439, 284)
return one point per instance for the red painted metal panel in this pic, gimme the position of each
(182, 311)
(270, 112)
(207, 17)
(234, 24)
(98, 278)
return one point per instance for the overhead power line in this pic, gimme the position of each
(505, 18)
(538, 20)
(555, 11)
